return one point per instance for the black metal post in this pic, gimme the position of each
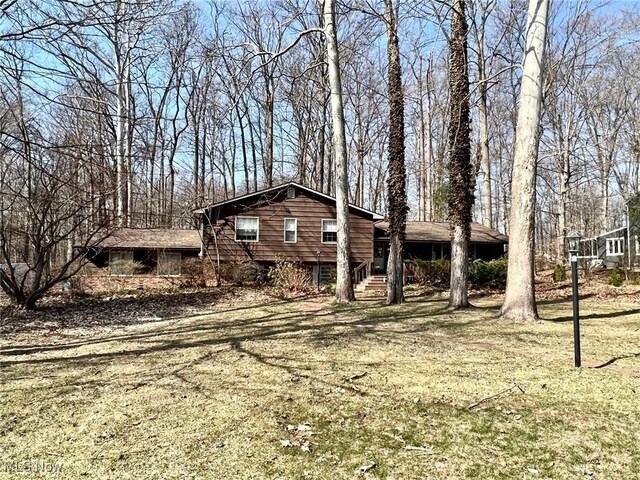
(576, 310)
(318, 264)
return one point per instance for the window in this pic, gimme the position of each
(327, 274)
(169, 264)
(290, 230)
(291, 192)
(615, 246)
(247, 229)
(329, 231)
(121, 262)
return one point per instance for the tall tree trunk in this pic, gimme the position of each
(460, 170)
(344, 284)
(120, 131)
(604, 202)
(520, 298)
(322, 137)
(422, 161)
(254, 156)
(245, 159)
(360, 149)
(562, 207)
(396, 181)
(430, 173)
(479, 28)
(268, 153)
(485, 160)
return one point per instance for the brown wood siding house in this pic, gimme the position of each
(142, 258)
(289, 221)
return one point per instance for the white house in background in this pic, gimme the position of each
(616, 248)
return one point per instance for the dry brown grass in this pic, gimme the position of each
(245, 391)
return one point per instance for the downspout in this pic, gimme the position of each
(201, 232)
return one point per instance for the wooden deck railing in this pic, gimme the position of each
(360, 273)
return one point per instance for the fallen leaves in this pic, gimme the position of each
(301, 434)
(363, 469)
(64, 311)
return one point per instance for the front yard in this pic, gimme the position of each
(265, 388)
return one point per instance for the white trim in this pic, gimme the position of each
(620, 243)
(295, 230)
(376, 216)
(235, 230)
(612, 231)
(322, 230)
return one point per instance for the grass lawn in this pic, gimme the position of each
(308, 389)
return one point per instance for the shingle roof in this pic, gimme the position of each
(439, 232)
(374, 215)
(153, 238)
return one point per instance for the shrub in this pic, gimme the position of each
(633, 278)
(559, 274)
(125, 267)
(492, 273)
(329, 288)
(192, 273)
(434, 273)
(239, 273)
(616, 279)
(290, 276)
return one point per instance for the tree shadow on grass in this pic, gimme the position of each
(362, 320)
(124, 309)
(593, 316)
(615, 359)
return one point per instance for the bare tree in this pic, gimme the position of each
(520, 301)
(481, 11)
(344, 283)
(42, 212)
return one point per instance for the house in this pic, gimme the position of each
(295, 222)
(613, 249)
(432, 241)
(140, 258)
(289, 221)
(616, 248)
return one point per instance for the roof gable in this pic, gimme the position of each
(253, 197)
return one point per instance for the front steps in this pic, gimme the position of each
(373, 283)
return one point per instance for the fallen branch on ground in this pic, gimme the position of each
(506, 390)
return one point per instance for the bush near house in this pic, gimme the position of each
(432, 273)
(488, 274)
(290, 276)
(616, 278)
(240, 273)
(436, 273)
(559, 273)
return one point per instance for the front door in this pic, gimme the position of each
(379, 258)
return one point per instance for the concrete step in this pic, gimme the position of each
(373, 283)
